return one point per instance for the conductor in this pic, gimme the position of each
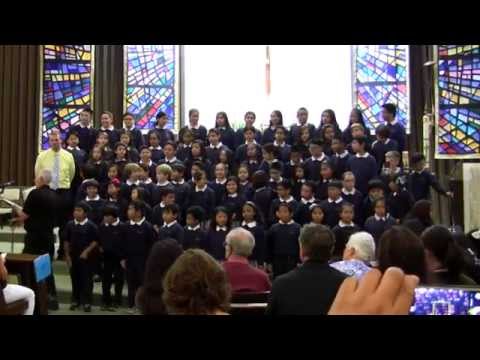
(39, 218)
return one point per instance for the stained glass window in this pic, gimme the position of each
(458, 101)
(380, 75)
(67, 86)
(151, 83)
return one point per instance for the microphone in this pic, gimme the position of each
(9, 183)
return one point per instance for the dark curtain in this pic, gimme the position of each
(108, 82)
(19, 112)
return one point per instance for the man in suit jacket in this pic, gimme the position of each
(310, 288)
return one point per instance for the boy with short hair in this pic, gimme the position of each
(164, 134)
(302, 215)
(170, 151)
(249, 119)
(382, 145)
(295, 159)
(202, 195)
(168, 198)
(397, 131)
(351, 195)
(281, 135)
(333, 203)
(129, 126)
(270, 156)
(327, 172)
(111, 236)
(171, 229)
(194, 236)
(80, 239)
(155, 147)
(284, 189)
(249, 138)
(146, 159)
(218, 185)
(380, 222)
(420, 180)
(263, 194)
(275, 175)
(283, 252)
(391, 166)
(312, 164)
(340, 156)
(86, 132)
(362, 164)
(163, 174)
(344, 229)
(215, 146)
(132, 174)
(95, 202)
(181, 188)
(399, 200)
(376, 190)
(139, 238)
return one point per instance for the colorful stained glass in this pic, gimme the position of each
(381, 76)
(67, 86)
(151, 83)
(458, 89)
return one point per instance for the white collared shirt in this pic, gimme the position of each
(250, 225)
(129, 183)
(221, 182)
(218, 146)
(365, 155)
(181, 182)
(289, 223)
(252, 161)
(128, 129)
(221, 228)
(378, 218)
(112, 199)
(196, 127)
(243, 183)
(339, 200)
(346, 192)
(279, 180)
(150, 162)
(160, 127)
(252, 142)
(170, 224)
(115, 223)
(171, 160)
(89, 126)
(288, 201)
(232, 195)
(96, 198)
(342, 224)
(342, 155)
(137, 223)
(111, 128)
(81, 223)
(162, 204)
(197, 189)
(156, 148)
(293, 163)
(307, 202)
(73, 148)
(321, 158)
(165, 183)
(260, 189)
(394, 122)
(146, 182)
(195, 228)
(275, 143)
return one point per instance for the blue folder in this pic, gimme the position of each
(42, 267)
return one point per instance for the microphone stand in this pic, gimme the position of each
(451, 180)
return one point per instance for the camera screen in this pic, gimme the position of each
(446, 301)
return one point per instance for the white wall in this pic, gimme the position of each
(231, 78)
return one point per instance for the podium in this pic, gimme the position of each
(24, 265)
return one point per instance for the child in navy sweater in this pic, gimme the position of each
(382, 145)
(302, 215)
(202, 195)
(95, 202)
(249, 139)
(155, 148)
(106, 121)
(297, 181)
(111, 236)
(253, 222)
(140, 194)
(340, 156)
(79, 157)
(146, 182)
(317, 214)
(84, 129)
(276, 120)
(284, 196)
(327, 175)
(270, 155)
(81, 238)
(161, 129)
(380, 222)
(139, 238)
(312, 165)
(181, 188)
(132, 175)
(362, 165)
(168, 198)
(376, 190)
(397, 131)
(171, 229)
(114, 199)
(283, 252)
(146, 159)
(252, 158)
(344, 229)
(136, 137)
(233, 200)
(249, 119)
(120, 158)
(295, 159)
(351, 195)
(399, 200)
(218, 184)
(332, 205)
(164, 173)
(227, 134)
(219, 227)
(132, 152)
(244, 185)
(215, 146)
(275, 176)
(263, 195)
(194, 236)
(281, 136)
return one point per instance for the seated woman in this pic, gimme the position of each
(13, 293)
(400, 247)
(358, 255)
(444, 257)
(149, 296)
(196, 285)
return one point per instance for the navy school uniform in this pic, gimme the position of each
(79, 157)
(265, 165)
(321, 191)
(227, 137)
(241, 153)
(253, 166)
(342, 233)
(288, 167)
(97, 205)
(199, 133)
(171, 231)
(101, 167)
(121, 166)
(379, 149)
(399, 204)
(213, 152)
(148, 187)
(204, 198)
(397, 133)
(284, 150)
(274, 206)
(295, 132)
(184, 152)
(332, 211)
(164, 135)
(135, 135)
(207, 165)
(122, 206)
(367, 208)
(246, 190)
(171, 162)
(376, 226)
(262, 197)
(152, 169)
(386, 174)
(139, 238)
(340, 163)
(111, 239)
(108, 154)
(219, 189)
(126, 189)
(297, 188)
(194, 237)
(113, 135)
(355, 198)
(268, 135)
(364, 168)
(282, 247)
(157, 192)
(157, 218)
(133, 155)
(302, 215)
(234, 204)
(157, 154)
(312, 167)
(215, 241)
(240, 138)
(182, 191)
(86, 137)
(260, 250)
(80, 236)
(368, 146)
(419, 185)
